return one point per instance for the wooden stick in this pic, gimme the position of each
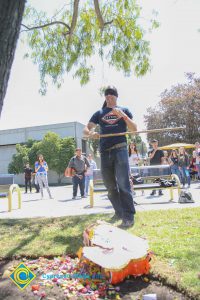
(141, 131)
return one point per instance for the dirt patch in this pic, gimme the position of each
(130, 289)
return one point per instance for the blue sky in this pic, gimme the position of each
(175, 50)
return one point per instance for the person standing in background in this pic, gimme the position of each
(173, 161)
(166, 160)
(41, 169)
(134, 156)
(156, 158)
(89, 173)
(79, 163)
(28, 176)
(183, 163)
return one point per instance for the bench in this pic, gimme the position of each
(147, 173)
(7, 188)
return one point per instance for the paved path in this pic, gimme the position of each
(63, 205)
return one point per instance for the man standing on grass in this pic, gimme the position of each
(114, 119)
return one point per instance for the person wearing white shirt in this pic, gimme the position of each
(89, 173)
(134, 156)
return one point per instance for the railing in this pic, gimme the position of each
(148, 173)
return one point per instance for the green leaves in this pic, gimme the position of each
(83, 73)
(57, 47)
(56, 151)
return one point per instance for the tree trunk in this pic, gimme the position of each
(11, 12)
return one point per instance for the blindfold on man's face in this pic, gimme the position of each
(111, 92)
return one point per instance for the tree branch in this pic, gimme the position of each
(98, 13)
(74, 17)
(108, 23)
(102, 24)
(46, 25)
(74, 20)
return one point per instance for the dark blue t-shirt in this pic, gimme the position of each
(110, 123)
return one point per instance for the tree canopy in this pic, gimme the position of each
(179, 106)
(68, 40)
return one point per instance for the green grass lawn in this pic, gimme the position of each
(173, 235)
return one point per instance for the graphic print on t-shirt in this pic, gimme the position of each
(110, 118)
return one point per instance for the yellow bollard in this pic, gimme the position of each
(12, 188)
(9, 200)
(91, 194)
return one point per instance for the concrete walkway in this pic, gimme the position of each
(63, 205)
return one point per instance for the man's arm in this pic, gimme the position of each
(88, 131)
(151, 154)
(129, 122)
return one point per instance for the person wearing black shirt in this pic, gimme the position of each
(114, 119)
(156, 158)
(27, 175)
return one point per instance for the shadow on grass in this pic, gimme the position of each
(152, 203)
(23, 243)
(21, 224)
(69, 240)
(66, 231)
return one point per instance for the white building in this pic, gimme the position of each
(10, 137)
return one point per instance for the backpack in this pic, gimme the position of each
(136, 179)
(185, 197)
(69, 172)
(165, 183)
